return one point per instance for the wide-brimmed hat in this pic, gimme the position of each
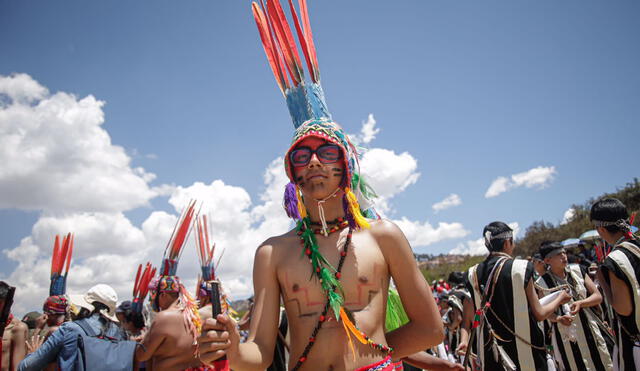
(100, 293)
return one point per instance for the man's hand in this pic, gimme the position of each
(575, 307)
(34, 343)
(461, 349)
(565, 320)
(564, 297)
(219, 337)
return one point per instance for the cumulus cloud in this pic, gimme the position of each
(477, 247)
(53, 146)
(539, 177)
(568, 215)
(450, 201)
(389, 174)
(367, 133)
(424, 233)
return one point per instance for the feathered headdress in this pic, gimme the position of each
(141, 286)
(60, 260)
(307, 105)
(167, 280)
(206, 250)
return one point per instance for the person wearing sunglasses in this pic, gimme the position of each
(333, 270)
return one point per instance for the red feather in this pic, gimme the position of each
(269, 47)
(285, 40)
(303, 42)
(184, 226)
(56, 249)
(632, 218)
(304, 13)
(70, 253)
(135, 283)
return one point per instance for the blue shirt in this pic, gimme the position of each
(63, 344)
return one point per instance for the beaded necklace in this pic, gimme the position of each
(329, 278)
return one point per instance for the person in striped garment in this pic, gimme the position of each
(619, 276)
(507, 308)
(578, 341)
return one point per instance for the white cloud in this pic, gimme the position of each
(424, 234)
(56, 156)
(477, 247)
(53, 146)
(568, 215)
(539, 177)
(450, 201)
(389, 174)
(368, 132)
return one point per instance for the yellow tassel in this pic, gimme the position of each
(355, 209)
(301, 209)
(351, 327)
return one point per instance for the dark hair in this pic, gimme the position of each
(496, 228)
(548, 247)
(609, 210)
(4, 290)
(98, 307)
(456, 278)
(136, 318)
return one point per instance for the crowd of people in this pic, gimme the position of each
(341, 290)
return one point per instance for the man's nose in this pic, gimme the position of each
(314, 159)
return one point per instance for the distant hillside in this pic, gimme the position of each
(441, 266)
(541, 231)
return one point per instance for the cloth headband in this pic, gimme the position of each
(554, 252)
(620, 223)
(500, 236)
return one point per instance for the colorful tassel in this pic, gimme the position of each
(291, 201)
(354, 207)
(396, 316)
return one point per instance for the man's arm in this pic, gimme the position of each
(19, 342)
(465, 326)
(154, 337)
(541, 312)
(594, 298)
(621, 295)
(425, 327)
(220, 336)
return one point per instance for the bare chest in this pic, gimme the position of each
(364, 275)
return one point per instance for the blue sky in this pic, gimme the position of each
(471, 90)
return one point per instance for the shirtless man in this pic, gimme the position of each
(168, 344)
(13, 338)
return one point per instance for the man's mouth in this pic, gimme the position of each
(315, 176)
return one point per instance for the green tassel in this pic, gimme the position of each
(329, 281)
(396, 316)
(335, 301)
(359, 183)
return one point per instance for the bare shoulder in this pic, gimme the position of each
(167, 318)
(276, 245)
(385, 228)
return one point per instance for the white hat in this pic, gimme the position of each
(100, 293)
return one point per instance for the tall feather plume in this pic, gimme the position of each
(60, 262)
(183, 227)
(69, 254)
(280, 45)
(270, 48)
(204, 247)
(285, 40)
(56, 249)
(308, 35)
(141, 285)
